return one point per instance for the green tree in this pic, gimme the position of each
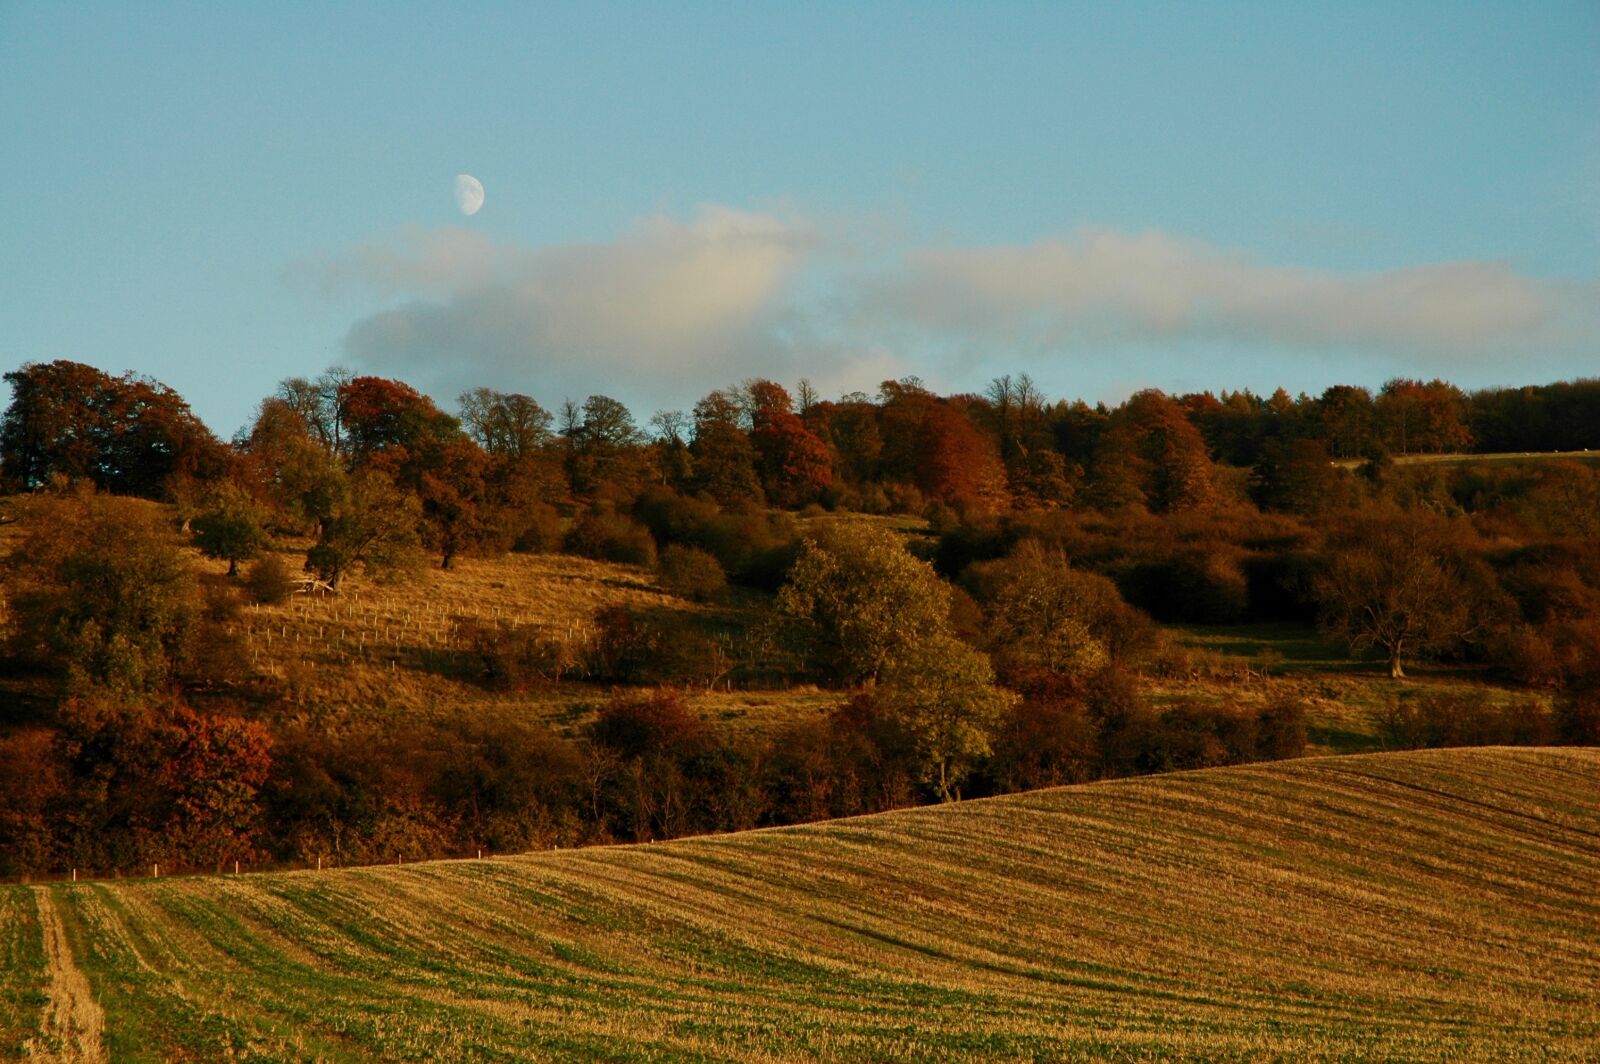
(100, 590)
(943, 693)
(1042, 615)
(229, 526)
(856, 599)
(373, 525)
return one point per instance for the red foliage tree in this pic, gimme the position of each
(1152, 455)
(380, 414)
(1423, 418)
(214, 772)
(958, 464)
(126, 435)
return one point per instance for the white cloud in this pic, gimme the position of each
(676, 307)
(701, 298)
(1104, 286)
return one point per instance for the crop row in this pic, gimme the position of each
(1427, 906)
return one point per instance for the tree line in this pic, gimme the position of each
(1000, 649)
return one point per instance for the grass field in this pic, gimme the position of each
(1346, 697)
(1498, 458)
(1422, 906)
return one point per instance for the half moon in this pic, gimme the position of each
(469, 194)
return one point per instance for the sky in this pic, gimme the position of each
(682, 196)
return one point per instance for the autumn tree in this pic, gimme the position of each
(794, 463)
(465, 508)
(674, 462)
(319, 404)
(850, 428)
(1565, 500)
(903, 406)
(382, 414)
(215, 768)
(724, 458)
(465, 494)
(301, 480)
(1036, 473)
(1044, 619)
(856, 599)
(100, 590)
(1119, 472)
(505, 424)
(1395, 580)
(1297, 476)
(602, 446)
(1420, 418)
(1151, 454)
(127, 435)
(1346, 421)
(957, 463)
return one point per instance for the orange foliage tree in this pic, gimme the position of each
(794, 463)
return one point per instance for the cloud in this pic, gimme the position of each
(676, 307)
(704, 298)
(1104, 286)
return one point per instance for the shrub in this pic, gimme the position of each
(515, 657)
(1281, 729)
(637, 647)
(906, 499)
(692, 573)
(653, 723)
(1465, 718)
(1045, 742)
(1194, 587)
(268, 580)
(541, 530)
(1578, 720)
(755, 548)
(611, 537)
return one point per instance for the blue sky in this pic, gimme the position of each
(680, 196)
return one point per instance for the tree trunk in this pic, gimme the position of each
(233, 566)
(1395, 671)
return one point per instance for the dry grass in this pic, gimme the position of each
(1427, 906)
(399, 647)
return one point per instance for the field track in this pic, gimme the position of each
(1440, 905)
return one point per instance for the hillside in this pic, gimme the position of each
(1421, 906)
(402, 650)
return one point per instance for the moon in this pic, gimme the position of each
(469, 194)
